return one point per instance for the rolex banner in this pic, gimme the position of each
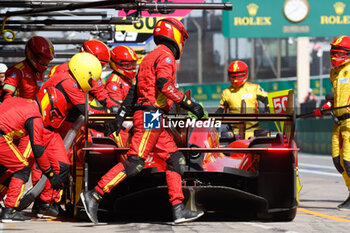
(287, 18)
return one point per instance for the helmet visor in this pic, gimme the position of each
(339, 53)
(44, 61)
(126, 65)
(237, 75)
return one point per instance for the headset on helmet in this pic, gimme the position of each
(53, 106)
(98, 49)
(340, 51)
(40, 52)
(173, 31)
(238, 73)
(124, 61)
(85, 67)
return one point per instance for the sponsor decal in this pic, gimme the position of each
(247, 96)
(343, 80)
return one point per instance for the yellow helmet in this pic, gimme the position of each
(85, 67)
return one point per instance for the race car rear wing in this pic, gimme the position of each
(96, 121)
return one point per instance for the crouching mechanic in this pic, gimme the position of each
(339, 77)
(72, 84)
(156, 92)
(251, 93)
(20, 117)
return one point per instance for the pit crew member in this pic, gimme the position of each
(83, 67)
(123, 62)
(102, 53)
(20, 117)
(339, 77)
(251, 93)
(156, 92)
(21, 79)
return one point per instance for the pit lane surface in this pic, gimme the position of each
(323, 189)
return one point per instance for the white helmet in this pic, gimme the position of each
(3, 68)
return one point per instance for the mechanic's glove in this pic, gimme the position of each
(116, 124)
(192, 106)
(55, 180)
(193, 116)
(318, 112)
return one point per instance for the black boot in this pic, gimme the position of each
(345, 205)
(45, 209)
(11, 215)
(91, 199)
(181, 215)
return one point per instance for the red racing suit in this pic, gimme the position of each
(21, 80)
(20, 117)
(75, 97)
(97, 91)
(156, 90)
(117, 88)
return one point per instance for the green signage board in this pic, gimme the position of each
(287, 18)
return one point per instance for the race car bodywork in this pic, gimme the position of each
(230, 176)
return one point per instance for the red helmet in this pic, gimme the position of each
(98, 49)
(39, 51)
(238, 73)
(173, 31)
(340, 51)
(53, 106)
(124, 61)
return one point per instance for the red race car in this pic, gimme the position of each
(225, 176)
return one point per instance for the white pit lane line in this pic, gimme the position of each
(268, 227)
(310, 168)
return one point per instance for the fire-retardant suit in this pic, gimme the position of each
(339, 77)
(156, 92)
(251, 93)
(102, 53)
(20, 117)
(123, 62)
(21, 79)
(72, 84)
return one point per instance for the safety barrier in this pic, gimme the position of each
(314, 135)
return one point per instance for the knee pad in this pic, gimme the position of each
(64, 170)
(336, 162)
(176, 163)
(133, 165)
(23, 174)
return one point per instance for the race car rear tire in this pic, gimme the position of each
(280, 216)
